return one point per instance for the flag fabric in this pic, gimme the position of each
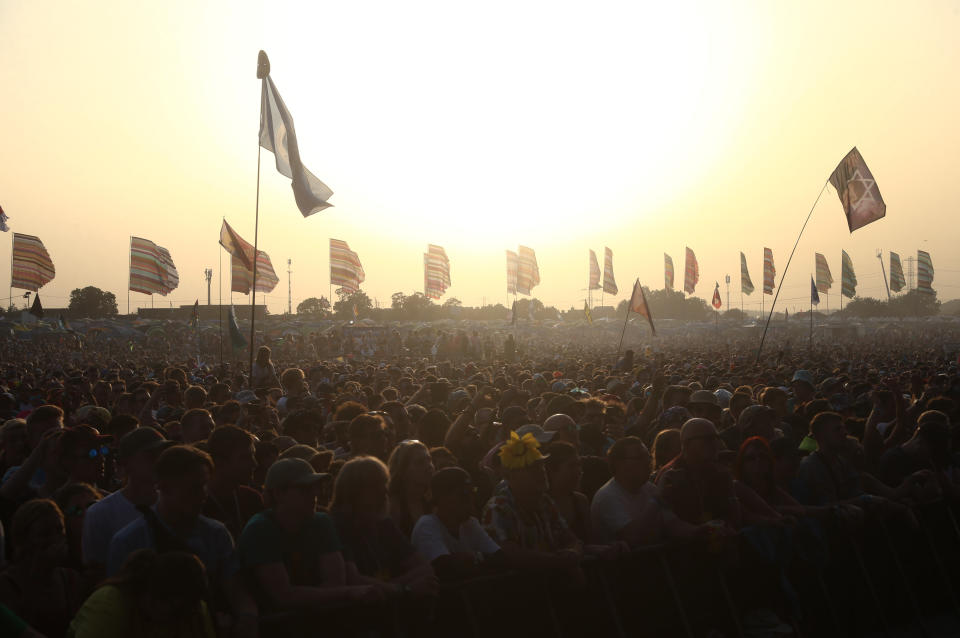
(769, 271)
(858, 191)
(195, 314)
(594, 272)
(237, 341)
(528, 273)
(242, 279)
(513, 265)
(638, 304)
(824, 278)
(277, 136)
(667, 271)
(236, 245)
(691, 273)
(716, 297)
(31, 267)
(924, 273)
(586, 312)
(746, 284)
(848, 278)
(151, 268)
(609, 283)
(37, 308)
(64, 324)
(3, 221)
(814, 295)
(897, 282)
(356, 312)
(436, 272)
(513, 313)
(345, 269)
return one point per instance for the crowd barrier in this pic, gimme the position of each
(823, 579)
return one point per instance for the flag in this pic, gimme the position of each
(667, 272)
(37, 308)
(824, 278)
(528, 274)
(513, 313)
(195, 314)
(858, 191)
(3, 221)
(924, 273)
(436, 272)
(237, 340)
(151, 268)
(746, 284)
(171, 278)
(586, 312)
(236, 245)
(594, 272)
(64, 325)
(769, 272)
(716, 297)
(356, 312)
(638, 304)
(345, 269)
(786, 315)
(848, 279)
(609, 283)
(242, 279)
(31, 267)
(897, 282)
(512, 268)
(814, 295)
(277, 136)
(691, 273)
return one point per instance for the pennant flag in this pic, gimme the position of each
(746, 284)
(278, 137)
(609, 283)
(528, 274)
(356, 312)
(513, 265)
(924, 273)
(769, 272)
(858, 191)
(513, 313)
(3, 221)
(594, 272)
(667, 271)
(691, 273)
(37, 308)
(716, 297)
(436, 272)
(586, 312)
(814, 295)
(151, 268)
(345, 269)
(31, 267)
(897, 282)
(242, 279)
(848, 279)
(824, 278)
(195, 314)
(237, 341)
(236, 245)
(638, 304)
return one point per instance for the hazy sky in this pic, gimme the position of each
(645, 127)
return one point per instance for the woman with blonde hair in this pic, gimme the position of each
(411, 469)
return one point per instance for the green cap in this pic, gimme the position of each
(292, 471)
(808, 444)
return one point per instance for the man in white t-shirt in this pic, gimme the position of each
(451, 538)
(628, 507)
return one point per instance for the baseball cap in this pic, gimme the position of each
(541, 435)
(81, 437)
(804, 376)
(142, 440)
(292, 471)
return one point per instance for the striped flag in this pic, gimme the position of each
(31, 267)
(667, 272)
(814, 295)
(769, 272)
(746, 284)
(824, 278)
(594, 272)
(609, 283)
(242, 278)
(862, 203)
(716, 297)
(691, 273)
(924, 273)
(848, 278)
(586, 312)
(528, 273)
(436, 272)
(897, 282)
(513, 265)
(236, 245)
(638, 304)
(151, 268)
(346, 272)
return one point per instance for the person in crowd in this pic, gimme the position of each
(411, 468)
(368, 436)
(196, 425)
(13, 444)
(564, 427)
(564, 471)
(264, 371)
(756, 468)
(230, 499)
(74, 499)
(666, 447)
(828, 476)
(83, 454)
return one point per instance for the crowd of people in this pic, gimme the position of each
(145, 492)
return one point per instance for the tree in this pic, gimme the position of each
(419, 307)
(314, 307)
(396, 301)
(343, 309)
(92, 302)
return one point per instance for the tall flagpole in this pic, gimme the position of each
(220, 304)
(624, 331)
(129, 274)
(263, 69)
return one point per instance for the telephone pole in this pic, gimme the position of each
(289, 288)
(208, 275)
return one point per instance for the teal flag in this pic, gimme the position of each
(236, 338)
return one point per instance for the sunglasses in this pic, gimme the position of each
(103, 450)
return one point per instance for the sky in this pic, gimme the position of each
(645, 127)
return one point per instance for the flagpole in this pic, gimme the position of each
(253, 292)
(786, 269)
(624, 331)
(811, 317)
(220, 304)
(129, 274)
(884, 272)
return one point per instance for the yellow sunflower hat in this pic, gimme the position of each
(520, 452)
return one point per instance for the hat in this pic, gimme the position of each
(751, 413)
(93, 414)
(520, 452)
(292, 471)
(541, 435)
(82, 436)
(723, 397)
(142, 440)
(704, 397)
(247, 396)
(804, 376)
(300, 451)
